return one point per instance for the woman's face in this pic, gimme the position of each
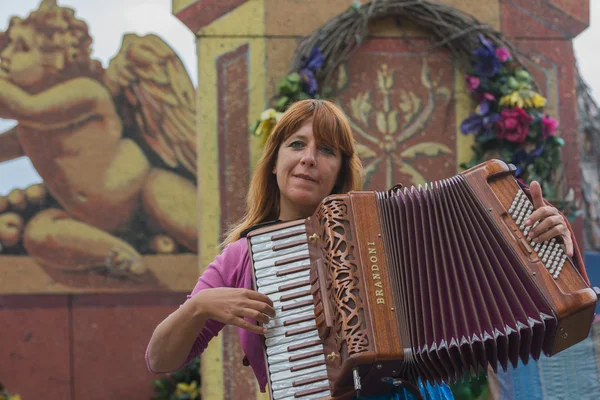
(306, 173)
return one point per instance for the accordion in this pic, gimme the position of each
(430, 283)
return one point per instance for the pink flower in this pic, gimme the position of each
(485, 96)
(549, 126)
(503, 54)
(472, 82)
(513, 125)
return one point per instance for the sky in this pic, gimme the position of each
(109, 20)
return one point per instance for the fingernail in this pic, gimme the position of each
(265, 330)
(528, 222)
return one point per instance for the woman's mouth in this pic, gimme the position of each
(305, 177)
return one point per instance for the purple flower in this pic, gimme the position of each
(503, 54)
(309, 82)
(487, 64)
(484, 107)
(314, 61)
(472, 82)
(549, 126)
(521, 159)
(476, 123)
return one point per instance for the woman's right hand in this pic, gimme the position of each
(231, 305)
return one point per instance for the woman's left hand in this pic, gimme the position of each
(552, 223)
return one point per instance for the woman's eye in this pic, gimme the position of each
(327, 150)
(296, 144)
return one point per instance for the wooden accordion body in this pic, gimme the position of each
(431, 283)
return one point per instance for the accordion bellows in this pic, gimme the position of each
(433, 282)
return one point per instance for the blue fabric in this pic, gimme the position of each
(429, 392)
(522, 383)
(571, 374)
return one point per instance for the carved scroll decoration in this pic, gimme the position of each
(339, 250)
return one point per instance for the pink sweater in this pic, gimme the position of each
(232, 268)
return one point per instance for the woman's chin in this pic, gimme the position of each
(306, 200)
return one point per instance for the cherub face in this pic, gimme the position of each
(21, 60)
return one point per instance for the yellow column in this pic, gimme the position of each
(210, 46)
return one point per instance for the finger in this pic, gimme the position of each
(557, 230)
(261, 307)
(254, 295)
(568, 244)
(242, 323)
(541, 213)
(536, 195)
(545, 225)
(255, 315)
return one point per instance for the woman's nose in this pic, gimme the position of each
(308, 157)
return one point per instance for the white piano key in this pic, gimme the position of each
(291, 340)
(278, 305)
(270, 254)
(283, 329)
(275, 369)
(288, 381)
(289, 375)
(272, 285)
(288, 314)
(271, 272)
(284, 357)
(280, 394)
(283, 347)
(278, 321)
(321, 395)
(264, 246)
(267, 236)
(270, 262)
(276, 296)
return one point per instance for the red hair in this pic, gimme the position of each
(330, 127)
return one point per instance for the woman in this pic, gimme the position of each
(309, 155)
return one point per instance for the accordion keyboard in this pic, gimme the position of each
(294, 351)
(550, 252)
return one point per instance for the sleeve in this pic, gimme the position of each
(223, 271)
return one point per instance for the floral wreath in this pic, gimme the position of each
(508, 122)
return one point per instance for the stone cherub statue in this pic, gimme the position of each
(111, 145)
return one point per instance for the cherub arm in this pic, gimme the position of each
(58, 107)
(10, 148)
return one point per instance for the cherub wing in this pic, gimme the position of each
(156, 99)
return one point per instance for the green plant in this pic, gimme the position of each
(183, 384)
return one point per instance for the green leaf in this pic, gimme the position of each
(505, 89)
(523, 76)
(253, 127)
(485, 136)
(513, 83)
(294, 77)
(302, 96)
(281, 103)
